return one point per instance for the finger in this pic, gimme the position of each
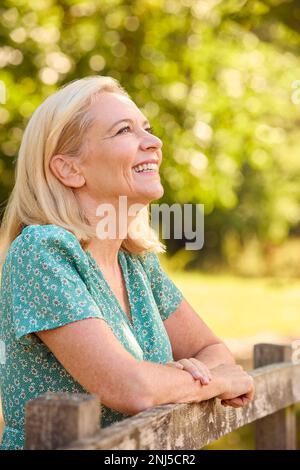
(229, 403)
(245, 399)
(194, 371)
(250, 394)
(177, 365)
(232, 404)
(237, 402)
(201, 367)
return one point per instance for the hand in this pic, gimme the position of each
(237, 402)
(195, 367)
(239, 386)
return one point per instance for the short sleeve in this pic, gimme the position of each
(166, 294)
(47, 290)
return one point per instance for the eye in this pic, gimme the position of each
(123, 129)
(150, 130)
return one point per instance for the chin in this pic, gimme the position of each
(154, 194)
(148, 197)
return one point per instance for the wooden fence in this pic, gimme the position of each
(70, 421)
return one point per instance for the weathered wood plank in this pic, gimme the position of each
(52, 420)
(265, 354)
(192, 426)
(278, 430)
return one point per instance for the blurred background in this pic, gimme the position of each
(220, 83)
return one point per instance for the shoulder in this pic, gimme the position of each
(150, 264)
(44, 235)
(46, 240)
(149, 260)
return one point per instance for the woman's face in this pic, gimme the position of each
(117, 143)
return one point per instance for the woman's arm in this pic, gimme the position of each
(191, 337)
(229, 377)
(94, 357)
(214, 355)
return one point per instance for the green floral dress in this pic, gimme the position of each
(48, 280)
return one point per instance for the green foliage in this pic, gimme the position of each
(243, 309)
(214, 78)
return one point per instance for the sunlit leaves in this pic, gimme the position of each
(213, 77)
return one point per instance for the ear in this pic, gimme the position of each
(67, 171)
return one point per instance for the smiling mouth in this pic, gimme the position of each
(146, 168)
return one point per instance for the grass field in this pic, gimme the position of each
(238, 308)
(242, 312)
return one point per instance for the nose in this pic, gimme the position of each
(151, 141)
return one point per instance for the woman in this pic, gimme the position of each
(82, 312)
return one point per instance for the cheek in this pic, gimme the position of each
(113, 164)
(128, 158)
(124, 163)
(124, 151)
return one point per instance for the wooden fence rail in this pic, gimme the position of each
(71, 421)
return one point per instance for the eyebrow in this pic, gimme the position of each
(127, 120)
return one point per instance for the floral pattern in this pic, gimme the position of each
(48, 280)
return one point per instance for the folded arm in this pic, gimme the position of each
(94, 357)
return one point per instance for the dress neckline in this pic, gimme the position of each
(97, 268)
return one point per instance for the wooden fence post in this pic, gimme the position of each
(57, 419)
(278, 430)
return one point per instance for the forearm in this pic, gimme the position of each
(163, 385)
(214, 355)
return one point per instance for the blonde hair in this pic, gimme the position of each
(58, 126)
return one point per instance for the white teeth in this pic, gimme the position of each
(146, 167)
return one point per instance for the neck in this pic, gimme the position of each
(105, 252)
(111, 228)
